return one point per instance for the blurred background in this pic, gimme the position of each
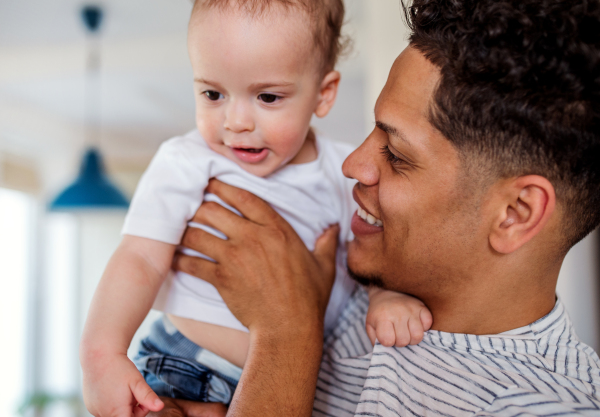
(124, 91)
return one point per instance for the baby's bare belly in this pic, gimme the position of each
(230, 344)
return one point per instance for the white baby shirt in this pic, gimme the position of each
(309, 196)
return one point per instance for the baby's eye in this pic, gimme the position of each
(212, 95)
(268, 98)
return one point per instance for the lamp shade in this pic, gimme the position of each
(91, 190)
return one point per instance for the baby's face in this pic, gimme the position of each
(256, 83)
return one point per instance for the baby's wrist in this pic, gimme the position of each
(94, 356)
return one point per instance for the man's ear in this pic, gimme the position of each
(527, 203)
(327, 93)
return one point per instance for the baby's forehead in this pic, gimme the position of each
(279, 28)
(308, 15)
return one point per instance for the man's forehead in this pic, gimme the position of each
(403, 106)
(411, 83)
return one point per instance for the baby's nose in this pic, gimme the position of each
(239, 117)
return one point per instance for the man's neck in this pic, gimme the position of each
(495, 304)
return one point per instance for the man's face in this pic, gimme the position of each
(410, 180)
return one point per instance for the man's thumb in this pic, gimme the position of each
(326, 246)
(145, 396)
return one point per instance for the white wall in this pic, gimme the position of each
(15, 269)
(579, 289)
(386, 36)
(76, 250)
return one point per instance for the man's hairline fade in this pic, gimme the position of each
(486, 164)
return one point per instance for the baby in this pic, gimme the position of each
(261, 69)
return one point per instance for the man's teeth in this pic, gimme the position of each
(368, 217)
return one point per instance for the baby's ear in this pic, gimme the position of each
(327, 93)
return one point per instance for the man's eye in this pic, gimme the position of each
(391, 158)
(268, 98)
(212, 95)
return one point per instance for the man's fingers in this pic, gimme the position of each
(215, 215)
(326, 246)
(140, 411)
(171, 409)
(252, 207)
(195, 409)
(203, 242)
(144, 395)
(197, 267)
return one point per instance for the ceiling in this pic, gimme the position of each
(39, 22)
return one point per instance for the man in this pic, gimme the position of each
(484, 168)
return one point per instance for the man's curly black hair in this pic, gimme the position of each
(520, 92)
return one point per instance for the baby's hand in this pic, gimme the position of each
(396, 319)
(115, 388)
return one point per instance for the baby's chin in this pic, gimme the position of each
(264, 167)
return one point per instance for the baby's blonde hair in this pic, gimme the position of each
(326, 16)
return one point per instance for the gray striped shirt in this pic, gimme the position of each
(538, 370)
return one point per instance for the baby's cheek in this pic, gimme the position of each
(208, 128)
(287, 138)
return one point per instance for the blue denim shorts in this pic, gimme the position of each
(176, 367)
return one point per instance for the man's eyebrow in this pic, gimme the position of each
(392, 131)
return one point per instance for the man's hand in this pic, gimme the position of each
(265, 274)
(276, 287)
(182, 408)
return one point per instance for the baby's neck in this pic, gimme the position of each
(308, 151)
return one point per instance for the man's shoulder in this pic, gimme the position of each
(457, 374)
(519, 401)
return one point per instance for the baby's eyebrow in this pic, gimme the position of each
(262, 86)
(208, 82)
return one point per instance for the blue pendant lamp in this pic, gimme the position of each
(92, 189)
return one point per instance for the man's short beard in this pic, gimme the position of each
(366, 280)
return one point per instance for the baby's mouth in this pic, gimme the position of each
(250, 155)
(251, 150)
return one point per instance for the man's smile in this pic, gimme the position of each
(368, 217)
(363, 222)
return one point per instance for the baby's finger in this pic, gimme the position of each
(143, 394)
(385, 333)
(402, 334)
(426, 319)
(416, 330)
(371, 333)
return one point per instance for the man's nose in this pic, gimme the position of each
(239, 117)
(362, 164)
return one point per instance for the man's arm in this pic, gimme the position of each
(276, 288)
